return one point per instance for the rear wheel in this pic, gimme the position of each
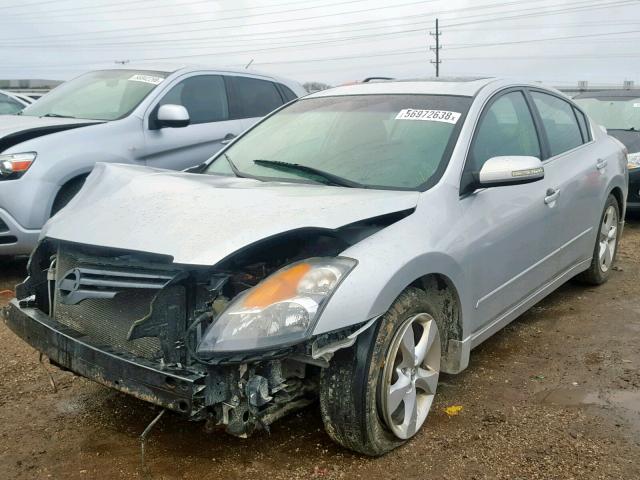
(376, 395)
(604, 252)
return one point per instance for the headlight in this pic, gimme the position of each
(280, 310)
(13, 165)
(633, 160)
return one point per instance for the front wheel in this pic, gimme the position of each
(604, 252)
(377, 395)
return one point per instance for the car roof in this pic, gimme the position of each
(171, 68)
(629, 93)
(467, 87)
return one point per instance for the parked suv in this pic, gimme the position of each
(166, 118)
(351, 246)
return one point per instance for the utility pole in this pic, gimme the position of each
(436, 49)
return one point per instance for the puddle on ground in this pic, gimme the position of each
(571, 397)
(625, 399)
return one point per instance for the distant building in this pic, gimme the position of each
(29, 86)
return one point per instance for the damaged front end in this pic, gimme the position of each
(151, 328)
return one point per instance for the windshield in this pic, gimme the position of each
(385, 141)
(613, 113)
(100, 95)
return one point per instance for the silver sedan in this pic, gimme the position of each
(351, 246)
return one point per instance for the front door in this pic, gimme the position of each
(507, 225)
(205, 98)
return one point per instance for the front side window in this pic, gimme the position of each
(505, 128)
(100, 95)
(386, 141)
(559, 121)
(9, 106)
(204, 97)
(253, 97)
(613, 113)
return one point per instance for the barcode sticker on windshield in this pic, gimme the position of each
(429, 115)
(636, 105)
(153, 79)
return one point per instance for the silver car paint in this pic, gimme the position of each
(25, 203)
(502, 249)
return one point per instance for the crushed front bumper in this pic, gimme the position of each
(178, 390)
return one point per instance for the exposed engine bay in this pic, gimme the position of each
(137, 320)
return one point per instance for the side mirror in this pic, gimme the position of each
(511, 170)
(172, 116)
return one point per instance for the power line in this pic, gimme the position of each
(599, 5)
(48, 18)
(535, 40)
(29, 4)
(327, 15)
(176, 41)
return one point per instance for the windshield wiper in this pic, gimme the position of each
(56, 115)
(330, 178)
(630, 129)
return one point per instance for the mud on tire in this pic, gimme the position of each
(349, 400)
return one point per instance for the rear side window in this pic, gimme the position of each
(252, 97)
(559, 121)
(287, 93)
(506, 128)
(204, 97)
(584, 125)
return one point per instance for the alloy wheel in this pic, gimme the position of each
(410, 375)
(608, 238)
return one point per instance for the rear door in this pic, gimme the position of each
(251, 98)
(576, 176)
(205, 98)
(507, 225)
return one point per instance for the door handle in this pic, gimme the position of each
(227, 138)
(600, 164)
(552, 195)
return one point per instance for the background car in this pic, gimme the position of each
(161, 117)
(619, 112)
(350, 247)
(11, 104)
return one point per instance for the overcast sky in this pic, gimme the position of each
(557, 41)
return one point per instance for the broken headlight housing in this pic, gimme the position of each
(280, 310)
(14, 165)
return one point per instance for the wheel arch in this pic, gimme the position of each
(619, 196)
(67, 183)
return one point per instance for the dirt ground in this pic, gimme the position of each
(556, 394)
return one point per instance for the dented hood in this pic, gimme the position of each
(15, 129)
(201, 219)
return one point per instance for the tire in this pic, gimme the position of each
(600, 270)
(353, 388)
(66, 193)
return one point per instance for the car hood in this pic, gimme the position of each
(15, 129)
(201, 219)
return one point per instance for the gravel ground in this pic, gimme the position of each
(556, 394)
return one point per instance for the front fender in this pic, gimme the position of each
(376, 282)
